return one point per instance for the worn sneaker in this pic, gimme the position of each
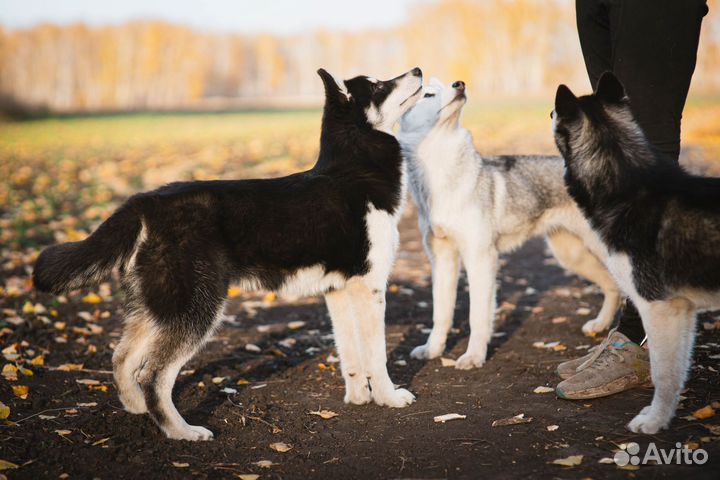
(570, 368)
(617, 365)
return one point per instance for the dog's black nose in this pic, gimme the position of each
(460, 85)
(416, 71)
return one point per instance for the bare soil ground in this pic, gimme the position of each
(66, 428)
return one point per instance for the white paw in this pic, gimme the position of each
(426, 352)
(648, 422)
(357, 392)
(469, 360)
(592, 327)
(398, 398)
(192, 433)
(134, 403)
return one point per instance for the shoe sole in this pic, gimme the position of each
(611, 388)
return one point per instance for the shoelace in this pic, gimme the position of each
(606, 356)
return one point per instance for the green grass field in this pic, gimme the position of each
(62, 175)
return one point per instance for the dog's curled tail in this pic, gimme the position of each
(72, 265)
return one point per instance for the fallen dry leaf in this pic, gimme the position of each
(571, 461)
(264, 463)
(281, 447)
(62, 433)
(542, 389)
(93, 298)
(4, 411)
(706, 412)
(448, 417)
(87, 381)
(326, 414)
(5, 465)
(516, 420)
(234, 292)
(180, 464)
(247, 476)
(21, 391)
(447, 362)
(552, 428)
(9, 372)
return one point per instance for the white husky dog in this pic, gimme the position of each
(472, 208)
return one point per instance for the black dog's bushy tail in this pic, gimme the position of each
(72, 265)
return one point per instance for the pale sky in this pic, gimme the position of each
(249, 16)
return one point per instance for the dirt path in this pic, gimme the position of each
(286, 379)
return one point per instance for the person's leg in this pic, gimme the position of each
(651, 45)
(654, 49)
(653, 53)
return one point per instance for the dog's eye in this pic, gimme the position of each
(428, 95)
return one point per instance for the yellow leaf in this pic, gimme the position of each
(281, 447)
(59, 325)
(26, 371)
(5, 465)
(234, 292)
(69, 367)
(28, 308)
(92, 298)
(242, 381)
(21, 391)
(39, 360)
(247, 476)
(706, 412)
(571, 461)
(9, 372)
(270, 297)
(4, 411)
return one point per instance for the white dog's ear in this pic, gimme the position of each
(435, 82)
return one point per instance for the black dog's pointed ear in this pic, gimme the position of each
(566, 103)
(333, 93)
(609, 89)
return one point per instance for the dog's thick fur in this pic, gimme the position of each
(472, 208)
(330, 230)
(660, 225)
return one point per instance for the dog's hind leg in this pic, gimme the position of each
(127, 359)
(171, 345)
(670, 326)
(481, 266)
(573, 254)
(345, 331)
(445, 263)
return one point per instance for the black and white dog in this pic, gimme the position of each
(660, 225)
(330, 230)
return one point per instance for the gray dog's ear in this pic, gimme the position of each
(333, 92)
(609, 89)
(566, 103)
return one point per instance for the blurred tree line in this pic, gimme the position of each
(501, 48)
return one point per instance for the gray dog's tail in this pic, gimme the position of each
(72, 265)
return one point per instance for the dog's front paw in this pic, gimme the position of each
(426, 352)
(648, 422)
(397, 398)
(357, 392)
(593, 327)
(192, 433)
(469, 360)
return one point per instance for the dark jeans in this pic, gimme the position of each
(651, 46)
